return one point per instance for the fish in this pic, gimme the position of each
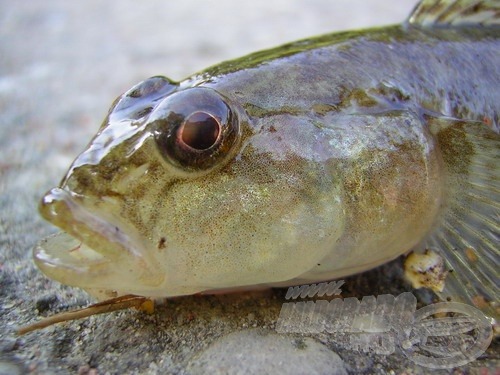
(312, 161)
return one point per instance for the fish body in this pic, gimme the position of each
(312, 161)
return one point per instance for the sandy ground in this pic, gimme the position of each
(61, 66)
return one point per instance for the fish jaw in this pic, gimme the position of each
(92, 248)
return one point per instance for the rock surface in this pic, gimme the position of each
(61, 66)
(259, 351)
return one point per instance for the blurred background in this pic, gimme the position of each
(64, 62)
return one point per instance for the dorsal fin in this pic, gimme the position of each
(455, 13)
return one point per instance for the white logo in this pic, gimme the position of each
(457, 335)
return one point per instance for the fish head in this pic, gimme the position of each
(175, 195)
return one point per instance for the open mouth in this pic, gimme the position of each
(91, 249)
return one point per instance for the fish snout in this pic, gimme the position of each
(96, 249)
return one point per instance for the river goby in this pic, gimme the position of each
(309, 162)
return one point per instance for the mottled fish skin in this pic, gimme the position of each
(326, 163)
(393, 68)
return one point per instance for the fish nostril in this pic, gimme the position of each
(141, 113)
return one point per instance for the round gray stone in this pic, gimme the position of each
(257, 351)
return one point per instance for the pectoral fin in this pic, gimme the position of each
(467, 232)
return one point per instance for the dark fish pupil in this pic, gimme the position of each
(199, 131)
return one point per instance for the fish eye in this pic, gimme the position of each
(199, 131)
(195, 129)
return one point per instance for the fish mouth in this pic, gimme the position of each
(93, 251)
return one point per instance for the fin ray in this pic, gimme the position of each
(468, 231)
(455, 13)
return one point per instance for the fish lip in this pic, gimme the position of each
(49, 256)
(110, 239)
(59, 204)
(115, 243)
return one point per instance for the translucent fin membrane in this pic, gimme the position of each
(467, 235)
(429, 13)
